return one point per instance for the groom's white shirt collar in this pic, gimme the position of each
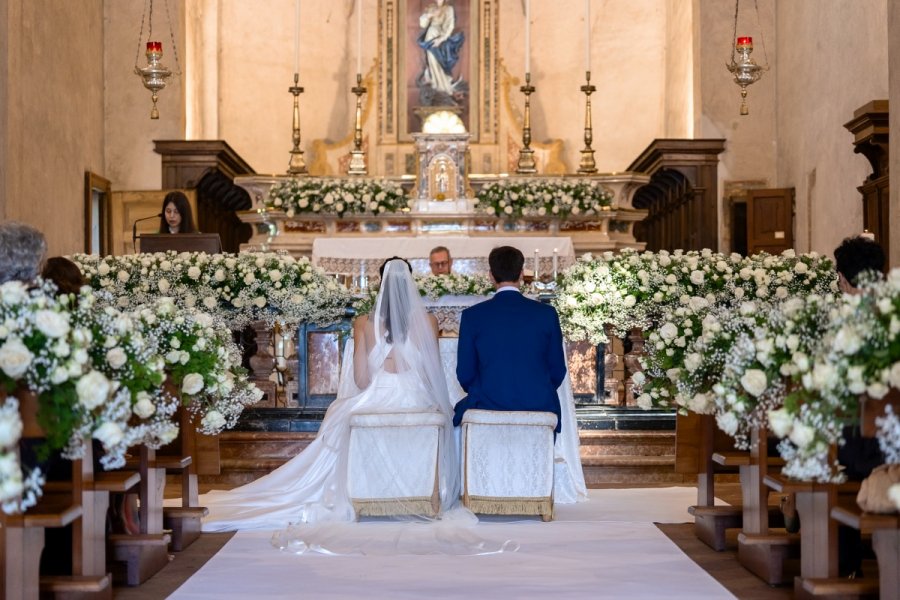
(508, 288)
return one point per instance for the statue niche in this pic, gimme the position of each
(442, 178)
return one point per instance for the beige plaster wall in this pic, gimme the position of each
(831, 62)
(131, 163)
(679, 73)
(628, 68)
(52, 107)
(750, 139)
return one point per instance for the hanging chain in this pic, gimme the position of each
(737, 4)
(172, 35)
(762, 37)
(141, 34)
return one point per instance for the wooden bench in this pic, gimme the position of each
(71, 503)
(697, 439)
(764, 548)
(819, 537)
(885, 532)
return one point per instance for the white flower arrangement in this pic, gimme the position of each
(337, 196)
(587, 300)
(236, 288)
(202, 364)
(434, 287)
(543, 197)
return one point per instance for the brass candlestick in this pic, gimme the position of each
(357, 155)
(526, 154)
(296, 166)
(587, 164)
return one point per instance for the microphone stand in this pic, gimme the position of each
(134, 229)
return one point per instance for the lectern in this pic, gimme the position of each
(181, 242)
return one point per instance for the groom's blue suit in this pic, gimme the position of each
(510, 356)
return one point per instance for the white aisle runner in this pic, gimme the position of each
(604, 548)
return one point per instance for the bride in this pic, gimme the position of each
(396, 367)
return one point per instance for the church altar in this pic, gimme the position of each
(366, 254)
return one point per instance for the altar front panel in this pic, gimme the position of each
(351, 255)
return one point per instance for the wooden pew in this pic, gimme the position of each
(136, 558)
(696, 440)
(178, 458)
(885, 532)
(766, 551)
(819, 538)
(72, 503)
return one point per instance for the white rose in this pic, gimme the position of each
(163, 285)
(219, 275)
(727, 422)
(123, 276)
(103, 269)
(645, 402)
(847, 340)
(801, 434)
(9, 466)
(144, 406)
(249, 278)
(638, 378)
(213, 420)
(93, 390)
(877, 390)
(194, 272)
(630, 301)
(700, 403)
(894, 494)
(738, 293)
(692, 361)
(780, 422)
(116, 357)
(668, 331)
(590, 287)
(11, 488)
(259, 301)
(275, 275)
(800, 267)
(754, 381)
(192, 383)
(697, 277)
(109, 434)
(10, 430)
(15, 358)
(673, 374)
(209, 302)
(51, 323)
(13, 292)
(801, 360)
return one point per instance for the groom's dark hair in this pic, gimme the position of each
(506, 263)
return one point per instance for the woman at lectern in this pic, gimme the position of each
(176, 215)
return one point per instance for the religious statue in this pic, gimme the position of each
(442, 47)
(442, 182)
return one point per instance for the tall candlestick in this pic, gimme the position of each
(536, 264)
(528, 36)
(297, 36)
(359, 36)
(555, 262)
(587, 37)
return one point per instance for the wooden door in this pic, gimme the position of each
(770, 220)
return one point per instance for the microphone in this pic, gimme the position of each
(134, 228)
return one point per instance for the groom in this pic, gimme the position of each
(510, 353)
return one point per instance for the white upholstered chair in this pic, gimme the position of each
(393, 463)
(508, 462)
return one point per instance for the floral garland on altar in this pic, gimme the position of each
(99, 373)
(236, 288)
(539, 197)
(434, 287)
(337, 196)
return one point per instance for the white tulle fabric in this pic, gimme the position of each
(402, 374)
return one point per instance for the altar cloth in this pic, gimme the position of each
(349, 254)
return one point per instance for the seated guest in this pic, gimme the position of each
(855, 256)
(64, 273)
(440, 261)
(176, 214)
(22, 250)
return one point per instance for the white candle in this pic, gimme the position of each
(297, 37)
(587, 29)
(528, 36)
(359, 36)
(536, 264)
(555, 261)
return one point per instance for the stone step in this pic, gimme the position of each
(608, 456)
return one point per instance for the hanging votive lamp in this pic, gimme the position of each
(744, 69)
(154, 75)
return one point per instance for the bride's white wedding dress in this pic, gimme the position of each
(404, 375)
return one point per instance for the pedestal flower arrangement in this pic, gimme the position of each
(537, 197)
(337, 197)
